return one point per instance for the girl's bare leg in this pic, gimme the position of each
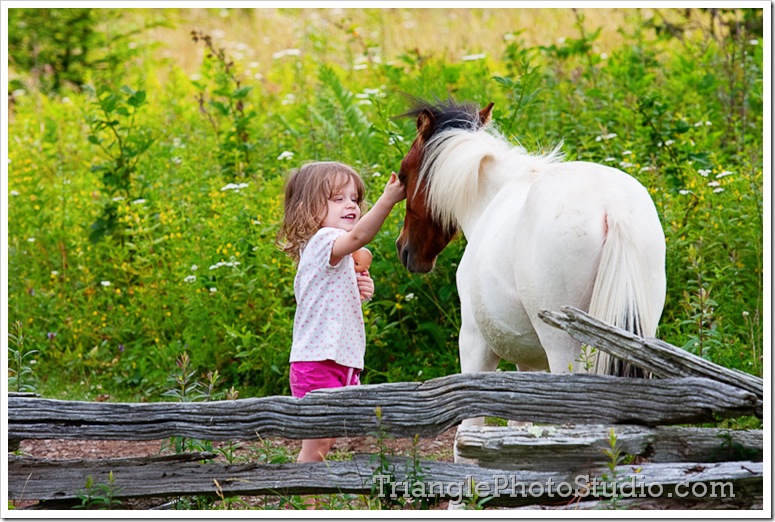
(314, 450)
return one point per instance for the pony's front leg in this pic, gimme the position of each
(475, 356)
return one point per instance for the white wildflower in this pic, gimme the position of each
(138, 202)
(409, 297)
(190, 279)
(31, 239)
(684, 192)
(213, 289)
(714, 184)
(286, 52)
(474, 57)
(718, 190)
(626, 153)
(703, 172)
(194, 268)
(723, 174)
(105, 283)
(285, 155)
(234, 186)
(218, 265)
(13, 193)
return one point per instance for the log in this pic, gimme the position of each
(406, 409)
(579, 447)
(42, 479)
(653, 355)
(739, 503)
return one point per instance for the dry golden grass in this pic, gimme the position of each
(255, 35)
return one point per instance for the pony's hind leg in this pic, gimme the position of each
(475, 356)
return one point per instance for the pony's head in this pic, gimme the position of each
(423, 237)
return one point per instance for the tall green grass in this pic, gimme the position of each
(189, 263)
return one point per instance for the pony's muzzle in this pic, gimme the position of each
(410, 260)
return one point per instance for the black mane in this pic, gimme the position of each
(447, 114)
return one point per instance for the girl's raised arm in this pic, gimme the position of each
(368, 226)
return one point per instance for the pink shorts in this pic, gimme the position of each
(307, 376)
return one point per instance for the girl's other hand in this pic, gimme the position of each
(365, 285)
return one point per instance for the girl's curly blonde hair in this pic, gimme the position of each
(307, 191)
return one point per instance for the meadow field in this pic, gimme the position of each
(148, 150)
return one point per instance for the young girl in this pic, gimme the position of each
(321, 227)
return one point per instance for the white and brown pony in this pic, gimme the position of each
(541, 233)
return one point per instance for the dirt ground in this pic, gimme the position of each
(438, 448)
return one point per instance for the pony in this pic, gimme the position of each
(541, 233)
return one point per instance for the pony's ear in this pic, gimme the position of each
(485, 114)
(425, 121)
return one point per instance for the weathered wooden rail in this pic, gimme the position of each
(184, 476)
(428, 408)
(581, 447)
(642, 413)
(655, 356)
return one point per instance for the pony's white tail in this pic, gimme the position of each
(625, 294)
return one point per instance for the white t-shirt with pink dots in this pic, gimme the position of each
(329, 320)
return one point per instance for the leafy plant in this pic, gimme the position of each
(100, 495)
(123, 141)
(19, 361)
(184, 387)
(612, 479)
(226, 106)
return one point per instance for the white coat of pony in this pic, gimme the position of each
(541, 233)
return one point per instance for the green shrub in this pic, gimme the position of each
(194, 268)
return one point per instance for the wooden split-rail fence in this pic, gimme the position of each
(559, 462)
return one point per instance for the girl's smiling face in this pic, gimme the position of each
(344, 209)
